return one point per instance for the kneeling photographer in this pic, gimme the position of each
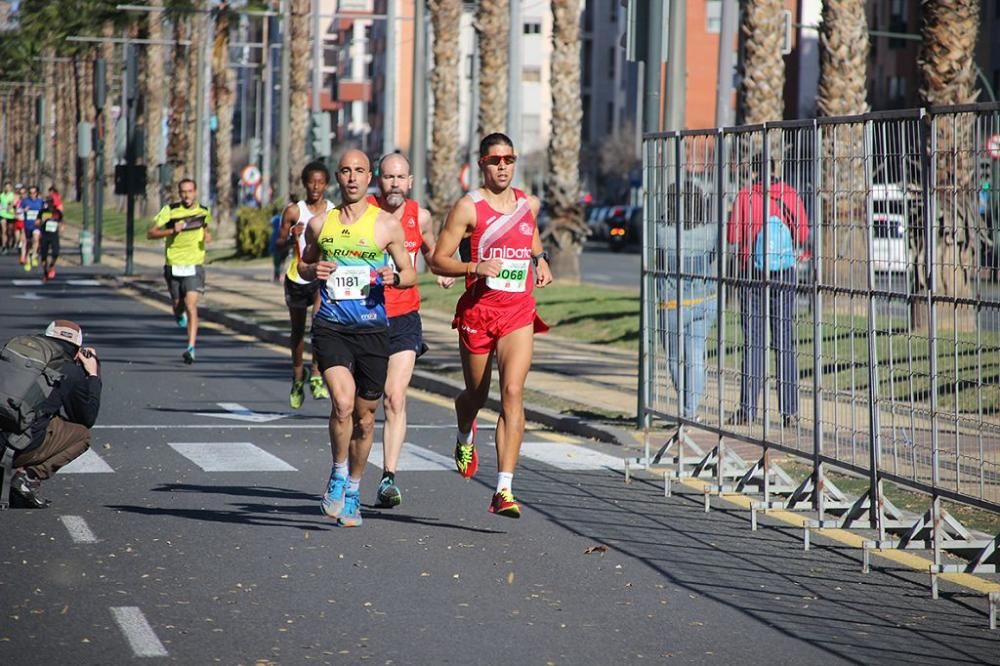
(60, 429)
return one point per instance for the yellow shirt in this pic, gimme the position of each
(188, 247)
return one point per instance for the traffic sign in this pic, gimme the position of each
(250, 176)
(993, 146)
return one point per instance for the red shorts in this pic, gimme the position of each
(19, 225)
(480, 325)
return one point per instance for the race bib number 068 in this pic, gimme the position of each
(513, 276)
(348, 283)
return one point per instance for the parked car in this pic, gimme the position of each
(890, 228)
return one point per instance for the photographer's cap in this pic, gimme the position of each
(64, 329)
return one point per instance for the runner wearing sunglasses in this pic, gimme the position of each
(496, 316)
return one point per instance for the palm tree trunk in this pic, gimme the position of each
(843, 91)
(222, 83)
(567, 231)
(49, 121)
(180, 92)
(155, 79)
(199, 30)
(947, 67)
(493, 28)
(301, 40)
(108, 54)
(444, 159)
(763, 85)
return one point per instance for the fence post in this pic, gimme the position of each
(875, 504)
(819, 480)
(720, 203)
(928, 171)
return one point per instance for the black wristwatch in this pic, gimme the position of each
(536, 257)
(395, 279)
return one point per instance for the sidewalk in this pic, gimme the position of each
(573, 387)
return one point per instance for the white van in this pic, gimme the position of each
(891, 243)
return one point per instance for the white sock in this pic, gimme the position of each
(505, 480)
(465, 437)
(340, 468)
(353, 485)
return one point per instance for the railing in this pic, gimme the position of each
(853, 324)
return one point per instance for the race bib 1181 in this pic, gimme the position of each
(349, 283)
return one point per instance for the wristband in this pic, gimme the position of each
(395, 279)
(536, 257)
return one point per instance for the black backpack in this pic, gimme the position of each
(30, 369)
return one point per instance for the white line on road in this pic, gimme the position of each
(78, 530)
(138, 633)
(88, 463)
(569, 456)
(230, 457)
(260, 426)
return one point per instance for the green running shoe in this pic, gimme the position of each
(297, 395)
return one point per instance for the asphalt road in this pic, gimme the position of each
(191, 536)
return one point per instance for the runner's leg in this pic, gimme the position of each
(342, 395)
(297, 318)
(514, 352)
(397, 381)
(191, 307)
(476, 370)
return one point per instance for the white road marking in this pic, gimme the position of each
(28, 296)
(138, 633)
(569, 456)
(414, 458)
(88, 463)
(238, 412)
(84, 283)
(230, 457)
(27, 283)
(78, 530)
(259, 426)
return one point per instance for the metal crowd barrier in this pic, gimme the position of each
(865, 339)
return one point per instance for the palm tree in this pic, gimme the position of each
(107, 50)
(947, 67)
(567, 230)
(301, 41)
(154, 80)
(445, 17)
(178, 148)
(843, 91)
(196, 65)
(493, 29)
(762, 88)
(222, 86)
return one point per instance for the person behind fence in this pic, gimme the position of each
(767, 256)
(687, 314)
(62, 409)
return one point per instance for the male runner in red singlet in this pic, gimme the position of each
(496, 315)
(300, 293)
(406, 339)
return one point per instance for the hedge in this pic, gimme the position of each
(253, 230)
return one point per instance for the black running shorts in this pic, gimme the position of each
(49, 245)
(180, 285)
(364, 353)
(406, 333)
(301, 295)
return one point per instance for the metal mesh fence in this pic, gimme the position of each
(830, 288)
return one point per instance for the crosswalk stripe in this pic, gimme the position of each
(569, 456)
(230, 457)
(414, 458)
(88, 463)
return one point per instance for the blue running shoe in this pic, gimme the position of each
(351, 515)
(182, 321)
(333, 500)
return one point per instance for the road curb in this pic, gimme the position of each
(425, 380)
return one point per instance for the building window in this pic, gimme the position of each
(609, 126)
(531, 74)
(614, 11)
(611, 63)
(587, 65)
(898, 22)
(713, 16)
(588, 17)
(897, 89)
(532, 27)
(585, 121)
(531, 127)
